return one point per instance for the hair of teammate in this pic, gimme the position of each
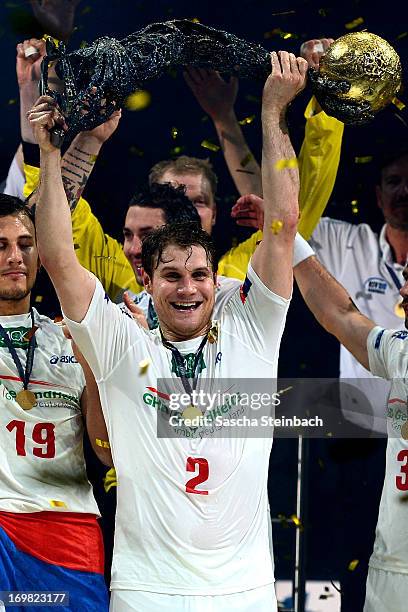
(183, 235)
(10, 205)
(185, 165)
(176, 206)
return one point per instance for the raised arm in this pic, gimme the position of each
(74, 285)
(217, 98)
(280, 176)
(333, 307)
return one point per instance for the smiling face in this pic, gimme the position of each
(140, 220)
(198, 190)
(18, 263)
(392, 193)
(183, 290)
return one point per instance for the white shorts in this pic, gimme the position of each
(262, 599)
(386, 591)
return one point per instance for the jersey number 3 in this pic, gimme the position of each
(203, 472)
(402, 482)
(42, 434)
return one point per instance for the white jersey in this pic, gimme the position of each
(191, 514)
(225, 286)
(362, 262)
(388, 357)
(42, 464)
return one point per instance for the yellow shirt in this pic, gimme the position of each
(96, 251)
(318, 163)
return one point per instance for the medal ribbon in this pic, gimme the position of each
(181, 364)
(394, 276)
(24, 374)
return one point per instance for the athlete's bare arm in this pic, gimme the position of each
(333, 307)
(74, 285)
(280, 176)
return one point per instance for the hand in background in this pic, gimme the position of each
(215, 95)
(55, 16)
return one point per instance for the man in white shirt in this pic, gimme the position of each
(191, 526)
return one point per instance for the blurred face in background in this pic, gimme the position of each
(140, 220)
(392, 193)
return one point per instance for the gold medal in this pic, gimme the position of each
(399, 311)
(191, 412)
(26, 399)
(404, 430)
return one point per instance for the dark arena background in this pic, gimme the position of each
(343, 479)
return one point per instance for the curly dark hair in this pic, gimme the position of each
(10, 205)
(176, 206)
(184, 235)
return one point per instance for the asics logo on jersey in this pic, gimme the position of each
(62, 359)
(400, 334)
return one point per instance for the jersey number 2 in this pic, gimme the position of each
(402, 483)
(203, 471)
(42, 434)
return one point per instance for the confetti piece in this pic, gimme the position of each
(363, 160)
(279, 32)
(138, 100)
(102, 443)
(248, 157)
(285, 390)
(286, 163)
(398, 103)
(133, 150)
(195, 20)
(83, 44)
(247, 120)
(110, 480)
(296, 520)
(58, 504)
(276, 226)
(353, 564)
(38, 299)
(283, 13)
(143, 366)
(402, 35)
(93, 158)
(12, 101)
(353, 24)
(207, 144)
(176, 150)
(174, 133)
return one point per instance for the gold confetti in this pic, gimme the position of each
(176, 150)
(285, 390)
(363, 160)
(93, 158)
(12, 101)
(110, 480)
(133, 150)
(138, 100)
(58, 504)
(143, 366)
(296, 520)
(102, 443)
(279, 32)
(207, 144)
(286, 163)
(276, 226)
(353, 24)
(247, 120)
(195, 20)
(38, 299)
(402, 35)
(174, 133)
(398, 103)
(353, 564)
(248, 157)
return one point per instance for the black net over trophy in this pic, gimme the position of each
(95, 80)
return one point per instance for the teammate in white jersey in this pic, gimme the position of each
(191, 528)
(49, 536)
(385, 354)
